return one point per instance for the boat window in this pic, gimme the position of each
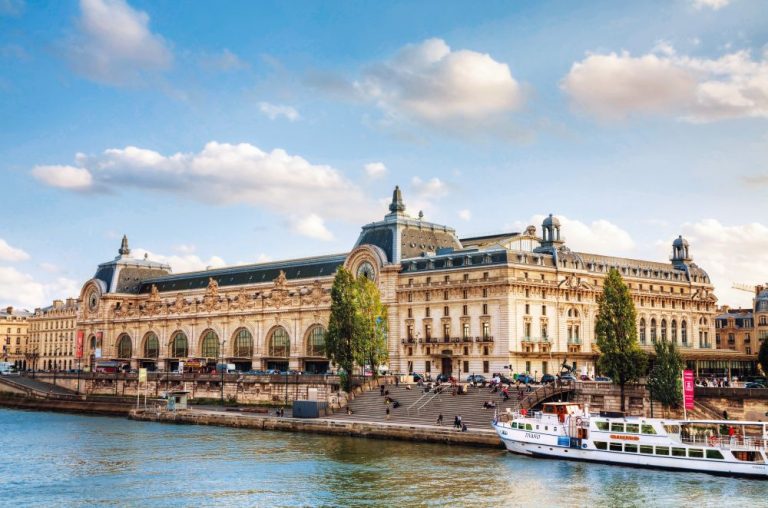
(615, 447)
(554, 429)
(631, 448)
(601, 445)
(546, 427)
(748, 456)
(678, 452)
(537, 427)
(664, 450)
(528, 426)
(633, 428)
(646, 449)
(514, 425)
(602, 425)
(672, 429)
(697, 453)
(617, 427)
(648, 429)
(714, 454)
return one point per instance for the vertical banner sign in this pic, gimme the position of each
(99, 338)
(142, 375)
(79, 344)
(688, 388)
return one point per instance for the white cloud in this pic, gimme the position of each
(597, 237)
(712, 4)
(275, 111)
(185, 248)
(49, 267)
(465, 214)
(223, 61)
(9, 253)
(613, 86)
(431, 83)
(181, 263)
(114, 45)
(221, 173)
(375, 169)
(311, 226)
(735, 253)
(432, 188)
(23, 291)
(65, 177)
(263, 258)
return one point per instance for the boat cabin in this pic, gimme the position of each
(562, 410)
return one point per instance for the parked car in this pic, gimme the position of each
(568, 378)
(547, 378)
(603, 379)
(476, 378)
(524, 378)
(754, 384)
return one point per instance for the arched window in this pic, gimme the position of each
(179, 347)
(316, 341)
(243, 343)
(124, 346)
(279, 343)
(663, 329)
(653, 330)
(683, 332)
(151, 346)
(674, 331)
(209, 347)
(642, 330)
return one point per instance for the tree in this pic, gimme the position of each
(664, 381)
(372, 329)
(343, 325)
(762, 356)
(620, 356)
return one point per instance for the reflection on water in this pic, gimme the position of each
(55, 459)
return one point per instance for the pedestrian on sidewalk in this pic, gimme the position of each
(456, 421)
(387, 412)
(397, 381)
(439, 419)
(381, 390)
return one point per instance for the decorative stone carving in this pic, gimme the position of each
(279, 296)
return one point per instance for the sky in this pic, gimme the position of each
(221, 133)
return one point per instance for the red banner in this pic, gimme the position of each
(688, 388)
(79, 344)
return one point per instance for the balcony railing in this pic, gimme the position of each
(574, 340)
(535, 339)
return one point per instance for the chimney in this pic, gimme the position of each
(9, 310)
(57, 304)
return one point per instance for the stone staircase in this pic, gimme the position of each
(370, 406)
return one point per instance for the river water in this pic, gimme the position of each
(55, 459)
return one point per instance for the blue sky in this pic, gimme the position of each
(234, 132)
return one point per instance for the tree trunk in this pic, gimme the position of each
(622, 397)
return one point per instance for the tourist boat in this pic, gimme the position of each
(567, 430)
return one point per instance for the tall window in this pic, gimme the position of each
(653, 330)
(243, 343)
(683, 332)
(151, 346)
(642, 330)
(210, 345)
(279, 343)
(663, 329)
(316, 342)
(428, 331)
(674, 330)
(124, 346)
(410, 332)
(486, 329)
(465, 332)
(446, 331)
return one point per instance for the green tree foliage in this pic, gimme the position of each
(372, 334)
(620, 356)
(665, 382)
(762, 356)
(357, 329)
(343, 325)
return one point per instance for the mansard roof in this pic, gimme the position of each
(304, 268)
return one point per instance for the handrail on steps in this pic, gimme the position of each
(430, 395)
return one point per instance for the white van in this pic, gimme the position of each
(7, 369)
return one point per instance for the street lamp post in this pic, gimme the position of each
(223, 368)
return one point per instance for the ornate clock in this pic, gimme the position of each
(93, 301)
(366, 270)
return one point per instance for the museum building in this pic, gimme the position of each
(514, 302)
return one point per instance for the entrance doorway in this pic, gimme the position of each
(447, 366)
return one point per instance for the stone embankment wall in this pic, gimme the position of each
(323, 426)
(607, 397)
(741, 404)
(275, 390)
(103, 407)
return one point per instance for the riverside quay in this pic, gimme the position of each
(518, 301)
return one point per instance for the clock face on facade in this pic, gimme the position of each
(366, 270)
(93, 301)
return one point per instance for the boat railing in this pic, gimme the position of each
(726, 442)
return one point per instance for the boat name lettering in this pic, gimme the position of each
(625, 438)
(532, 436)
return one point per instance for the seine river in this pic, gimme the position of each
(54, 459)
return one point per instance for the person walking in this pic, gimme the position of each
(397, 381)
(439, 419)
(456, 421)
(387, 411)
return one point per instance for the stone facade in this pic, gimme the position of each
(14, 335)
(744, 330)
(52, 337)
(519, 302)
